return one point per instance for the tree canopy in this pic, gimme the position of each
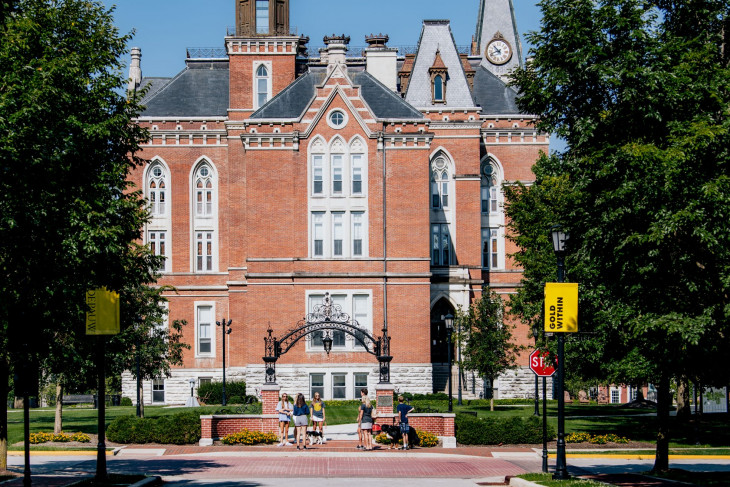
(639, 89)
(69, 218)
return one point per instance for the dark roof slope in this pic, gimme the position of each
(200, 90)
(493, 95)
(295, 98)
(382, 101)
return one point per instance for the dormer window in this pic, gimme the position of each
(439, 74)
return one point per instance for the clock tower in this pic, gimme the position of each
(497, 37)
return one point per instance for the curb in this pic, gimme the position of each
(155, 480)
(518, 482)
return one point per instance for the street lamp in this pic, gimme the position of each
(192, 402)
(449, 322)
(560, 237)
(327, 342)
(226, 329)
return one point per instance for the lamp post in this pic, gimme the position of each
(458, 337)
(226, 329)
(561, 471)
(327, 341)
(449, 322)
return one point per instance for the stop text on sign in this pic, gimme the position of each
(561, 307)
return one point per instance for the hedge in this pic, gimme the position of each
(496, 431)
(212, 392)
(177, 429)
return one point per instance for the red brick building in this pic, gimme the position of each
(279, 176)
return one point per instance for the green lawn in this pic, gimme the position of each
(546, 479)
(713, 431)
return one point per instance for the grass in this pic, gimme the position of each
(712, 432)
(672, 451)
(546, 479)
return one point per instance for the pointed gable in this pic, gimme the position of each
(497, 26)
(436, 37)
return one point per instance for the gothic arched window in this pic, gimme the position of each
(262, 83)
(157, 188)
(203, 191)
(439, 183)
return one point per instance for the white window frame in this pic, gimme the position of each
(315, 297)
(318, 175)
(159, 220)
(155, 383)
(327, 226)
(343, 387)
(255, 82)
(204, 251)
(207, 221)
(157, 241)
(320, 388)
(441, 230)
(262, 29)
(198, 306)
(157, 197)
(492, 219)
(332, 124)
(489, 235)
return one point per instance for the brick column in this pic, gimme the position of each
(384, 400)
(269, 398)
(206, 431)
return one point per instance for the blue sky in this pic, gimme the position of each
(165, 28)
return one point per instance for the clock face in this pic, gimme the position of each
(498, 51)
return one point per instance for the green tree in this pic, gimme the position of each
(639, 89)
(488, 347)
(68, 215)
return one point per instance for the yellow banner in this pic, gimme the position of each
(103, 315)
(561, 307)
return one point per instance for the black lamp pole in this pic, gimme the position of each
(226, 329)
(535, 331)
(561, 469)
(449, 321)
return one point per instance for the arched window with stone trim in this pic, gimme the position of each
(440, 182)
(442, 248)
(205, 221)
(262, 85)
(157, 189)
(157, 230)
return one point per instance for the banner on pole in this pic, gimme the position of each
(561, 307)
(103, 315)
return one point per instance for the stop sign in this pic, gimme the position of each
(540, 363)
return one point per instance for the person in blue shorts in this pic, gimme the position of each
(403, 410)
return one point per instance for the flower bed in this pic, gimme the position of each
(62, 437)
(426, 439)
(595, 439)
(247, 437)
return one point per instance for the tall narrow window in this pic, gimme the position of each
(357, 174)
(204, 252)
(361, 380)
(316, 384)
(157, 191)
(337, 173)
(317, 174)
(339, 386)
(338, 233)
(440, 245)
(439, 183)
(262, 16)
(205, 323)
(318, 234)
(158, 390)
(357, 233)
(490, 248)
(262, 86)
(158, 245)
(204, 192)
(438, 88)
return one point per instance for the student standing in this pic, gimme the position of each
(318, 415)
(365, 419)
(284, 408)
(301, 420)
(360, 439)
(403, 410)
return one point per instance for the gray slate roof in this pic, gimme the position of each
(200, 90)
(294, 99)
(436, 35)
(495, 97)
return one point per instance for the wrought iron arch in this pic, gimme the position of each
(327, 317)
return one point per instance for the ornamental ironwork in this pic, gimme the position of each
(327, 317)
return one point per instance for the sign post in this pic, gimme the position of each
(102, 319)
(542, 366)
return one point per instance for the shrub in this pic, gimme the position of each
(212, 392)
(496, 431)
(427, 439)
(382, 438)
(177, 429)
(126, 401)
(235, 400)
(247, 437)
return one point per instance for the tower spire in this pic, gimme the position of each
(497, 36)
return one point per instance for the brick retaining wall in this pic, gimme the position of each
(214, 427)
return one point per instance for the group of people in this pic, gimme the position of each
(300, 413)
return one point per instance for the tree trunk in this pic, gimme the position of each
(141, 399)
(664, 402)
(684, 411)
(4, 376)
(58, 424)
(491, 403)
